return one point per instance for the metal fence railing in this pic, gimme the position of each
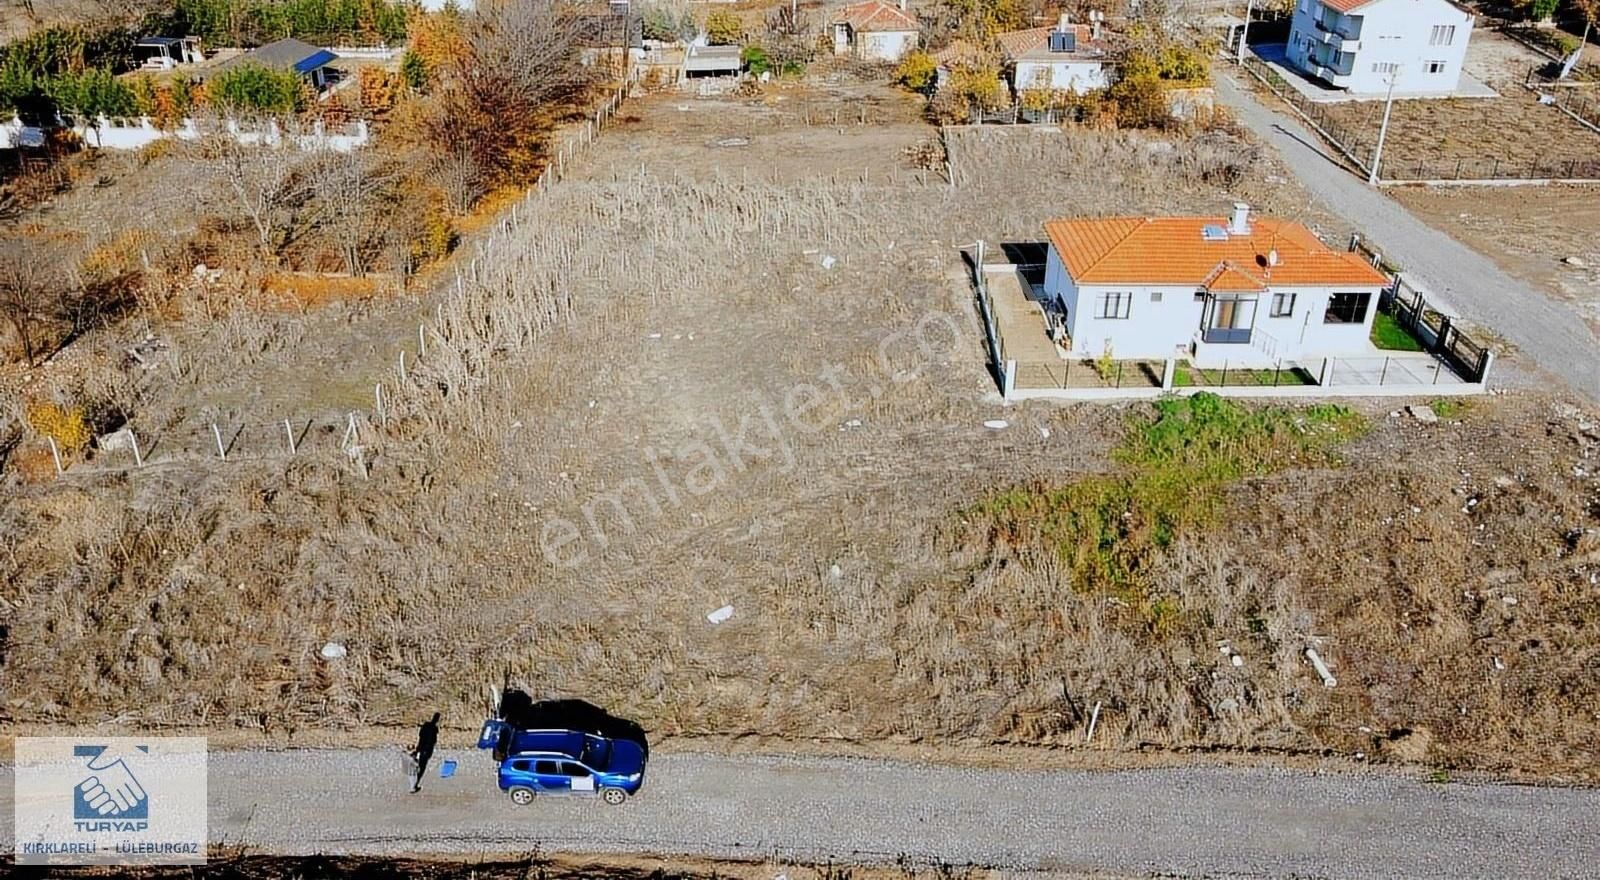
(1089, 374)
(1432, 329)
(1352, 146)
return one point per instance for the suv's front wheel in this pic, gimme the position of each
(521, 796)
(613, 796)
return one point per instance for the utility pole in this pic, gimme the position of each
(1383, 130)
(1244, 33)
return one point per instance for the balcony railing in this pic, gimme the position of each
(1345, 31)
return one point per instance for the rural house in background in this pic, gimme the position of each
(1066, 57)
(875, 31)
(289, 54)
(1360, 45)
(166, 53)
(1217, 290)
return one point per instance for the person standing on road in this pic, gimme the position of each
(427, 738)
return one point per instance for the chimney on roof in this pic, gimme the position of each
(1240, 224)
(1095, 18)
(902, 4)
(1064, 22)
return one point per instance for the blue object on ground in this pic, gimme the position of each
(447, 769)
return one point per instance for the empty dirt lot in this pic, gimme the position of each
(733, 361)
(1548, 235)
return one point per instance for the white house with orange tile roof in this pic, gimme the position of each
(1063, 57)
(1360, 45)
(875, 31)
(1238, 289)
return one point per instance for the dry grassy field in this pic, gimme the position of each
(733, 361)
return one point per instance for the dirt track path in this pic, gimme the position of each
(1190, 821)
(1457, 278)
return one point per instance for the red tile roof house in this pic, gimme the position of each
(1067, 57)
(1237, 290)
(875, 31)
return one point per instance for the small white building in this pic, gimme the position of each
(1239, 290)
(1361, 45)
(875, 31)
(1066, 57)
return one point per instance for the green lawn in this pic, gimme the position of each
(1388, 335)
(1187, 376)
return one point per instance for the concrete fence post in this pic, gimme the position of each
(216, 434)
(1325, 375)
(288, 431)
(1008, 382)
(55, 454)
(1167, 372)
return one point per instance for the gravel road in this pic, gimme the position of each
(1194, 821)
(1457, 278)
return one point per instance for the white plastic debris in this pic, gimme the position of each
(996, 424)
(516, 424)
(333, 651)
(720, 615)
(1499, 664)
(853, 423)
(828, 262)
(1045, 433)
(1237, 660)
(591, 404)
(835, 572)
(1322, 668)
(1509, 600)
(654, 336)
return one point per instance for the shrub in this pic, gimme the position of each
(66, 425)
(917, 72)
(755, 60)
(414, 71)
(723, 28)
(252, 88)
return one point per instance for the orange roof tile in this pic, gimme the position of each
(876, 15)
(958, 54)
(1035, 42)
(1345, 5)
(1228, 278)
(1174, 250)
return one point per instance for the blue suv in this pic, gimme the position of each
(563, 762)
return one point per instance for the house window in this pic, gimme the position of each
(1114, 305)
(1442, 35)
(1282, 305)
(1433, 67)
(1347, 308)
(1155, 296)
(1386, 67)
(1199, 296)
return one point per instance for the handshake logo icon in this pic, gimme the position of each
(110, 797)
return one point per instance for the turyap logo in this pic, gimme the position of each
(110, 797)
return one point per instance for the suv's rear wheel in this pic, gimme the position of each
(521, 796)
(613, 796)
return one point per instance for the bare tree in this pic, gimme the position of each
(521, 68)
(28, 302)
(348, 188)
(262, 181)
